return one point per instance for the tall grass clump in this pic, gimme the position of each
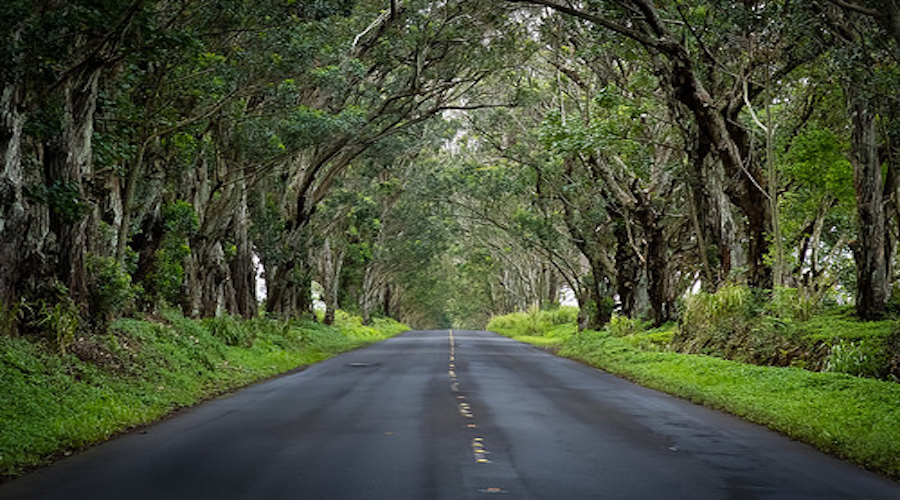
(751, 326)
(623, 326)
(860, 358)
(793, 303)
(552, 324)
(712, 322)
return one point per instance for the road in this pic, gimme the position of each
(451, 415)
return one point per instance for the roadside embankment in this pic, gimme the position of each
(53, 403)
(851, 417)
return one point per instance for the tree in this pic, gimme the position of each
(51, 86)
(864, 65)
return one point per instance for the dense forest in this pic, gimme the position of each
(443, 161)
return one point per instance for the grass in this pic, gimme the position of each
(851, 417)
(543, 328)
(52, 404)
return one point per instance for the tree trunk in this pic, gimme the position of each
(715, 226)
(289, 290)
(391, 302)
(594, 303)
(551, 286)
(749, 194)
(870, 249)
(67, 166)
(368, 296)
(330, 264)
(289, 280)
(731, 145)
(243, 272)
(209, 289)
(13, 212)
(657, 266)
(631, 285)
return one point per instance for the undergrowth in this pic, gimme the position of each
(54, 401)
(782, 327)
(546, 328)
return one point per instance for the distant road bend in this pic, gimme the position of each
(451, 415)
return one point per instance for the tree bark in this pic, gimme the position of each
(870, 249)
(243, 272)
(657, 266)
(68, 165)
(289, 279)
(331, 262)
(594, 301)
(628, 275)
(13, 210)
(368, 297)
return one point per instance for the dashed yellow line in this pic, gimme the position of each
(479, 451)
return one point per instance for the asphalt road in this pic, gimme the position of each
(451, 415)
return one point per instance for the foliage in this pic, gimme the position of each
(111, 289)
(65, 199)
(729, 303)
(10, 317)
(57, 320)
(621, 326)
(180, 223)
(860, 358)
(783, 328)
(231, 331)
(720, 323)
(545, 328)
(56, 402)
(792, 303)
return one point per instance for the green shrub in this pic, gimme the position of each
(561, 316)
(710, 323)
(57, 321)
(748, 325)
(711, 310)
(622, 326)
(792, 303)
(547, 328)
(861, 358)
(110, 289)
(655, 340)
(509, 324)
(10, 316)
(166, 280)
(231, 330)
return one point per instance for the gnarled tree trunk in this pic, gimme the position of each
(870, 250)
(331, 261)
(243, 272)
(67, 165)
(13, 209)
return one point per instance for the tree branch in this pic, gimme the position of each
(856, 8)
(600, 21)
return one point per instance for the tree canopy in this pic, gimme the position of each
(441, 162)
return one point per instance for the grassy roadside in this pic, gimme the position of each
(851, 417)
(52, 404)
